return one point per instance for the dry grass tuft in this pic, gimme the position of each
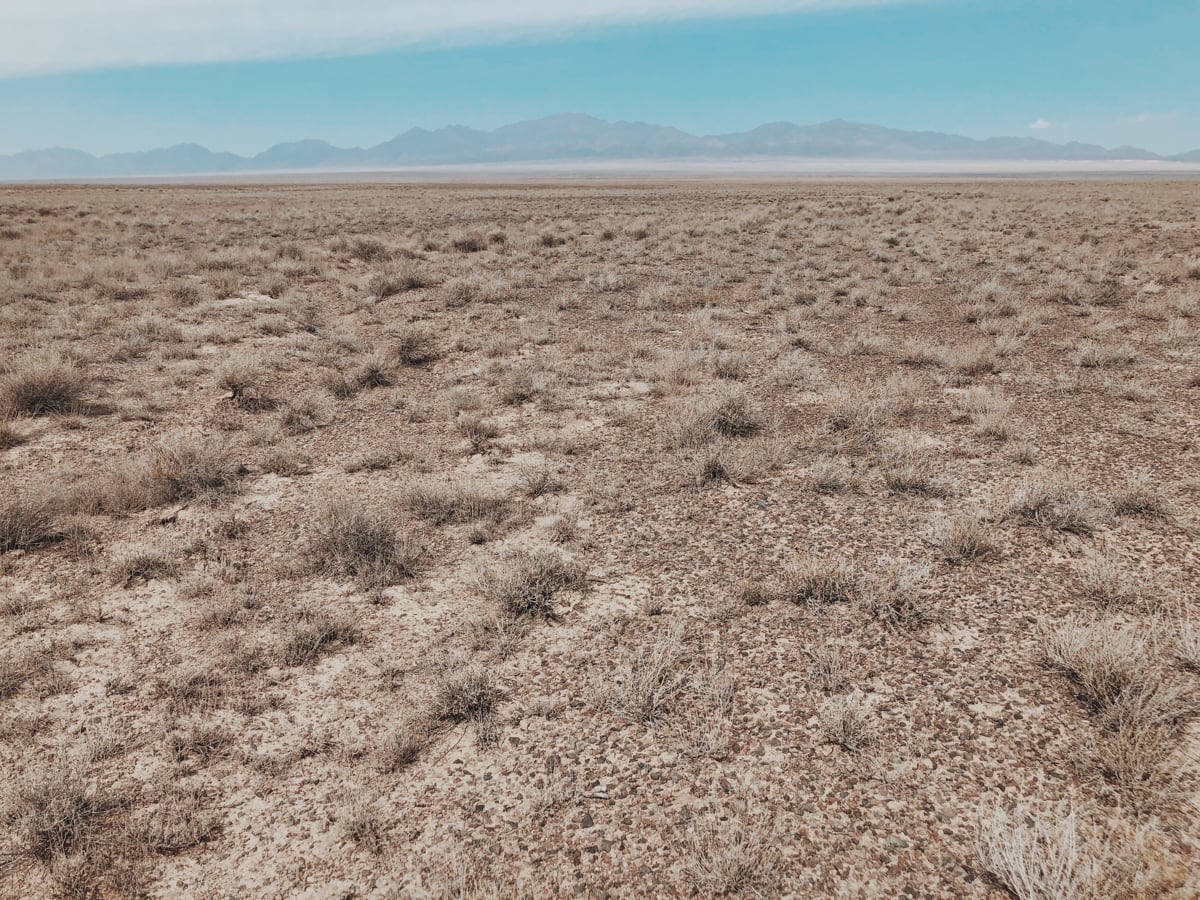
(527, 582)
(26, 523)
(349, 541)
(1050, 500)
(819, 581)
(443, 503)
(41, 382)
(845, 720)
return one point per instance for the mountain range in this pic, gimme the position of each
(570, 136)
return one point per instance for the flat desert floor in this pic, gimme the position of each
(677, 539)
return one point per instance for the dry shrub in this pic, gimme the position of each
(391, 282)
(41, 382)
(465, 693)
(1040, 852)
(527, 582)
(1101, 659)
(1108, 584)
(177, 471)
(894, 597)
(478, 430)
(349, 541)
(243, 377)
(831, 476)
(413, 346)
(179, 820)
(142, 562)
(49, 812)
(401, 747)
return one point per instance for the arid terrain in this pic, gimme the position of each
(811, 539)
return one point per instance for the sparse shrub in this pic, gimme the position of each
(845, 720)
(1036, 856)
(1105, 582)
(830, 475)
(730, 414)
(518, 386)
(348, 541)
(907, 470)
(413, 346)
(243, 378)
(1092, 355)
(41, 382)
(527, 582)
(471, 242)
(1101, 659)
(735, 859)
(369, 250)
(363, 824)
(178, 821)
(391, 282)
(536, 481)
(478, 430)
(302, 415)
(894, 597)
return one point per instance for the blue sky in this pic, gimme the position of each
(241, 75)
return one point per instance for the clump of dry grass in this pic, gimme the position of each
(142, 562)
(444, 503)
(477, 429)
(1142, 497)
(1036, 856)
(26, 522)
(527, 582)
(243, 377)
(349, 541)
(466, 693)
(845, 720)
(177, 471)
(894, 597)
(1051, 500)
(819, 581)
(964, 537)
(646, 682)
(1108, 584)
(401, 746)
(41, 382)
(907, 468)
(50, 812)
(316, 633)
(736, 859)
(699, 421)
(830, 475)
(1101, 659)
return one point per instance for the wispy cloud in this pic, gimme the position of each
(1148, 117)
(44, 36)
(1041, 124)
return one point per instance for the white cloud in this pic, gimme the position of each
(43, 36)
(1147, 117)
(1039, 124)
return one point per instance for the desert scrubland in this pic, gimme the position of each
(811, 539)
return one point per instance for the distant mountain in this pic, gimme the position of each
(569, 136)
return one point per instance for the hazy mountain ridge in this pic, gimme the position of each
(565, 137)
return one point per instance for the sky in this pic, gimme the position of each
(240, 75)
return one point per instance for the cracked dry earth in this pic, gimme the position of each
(807, 539)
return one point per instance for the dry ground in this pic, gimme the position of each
(808, 540)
